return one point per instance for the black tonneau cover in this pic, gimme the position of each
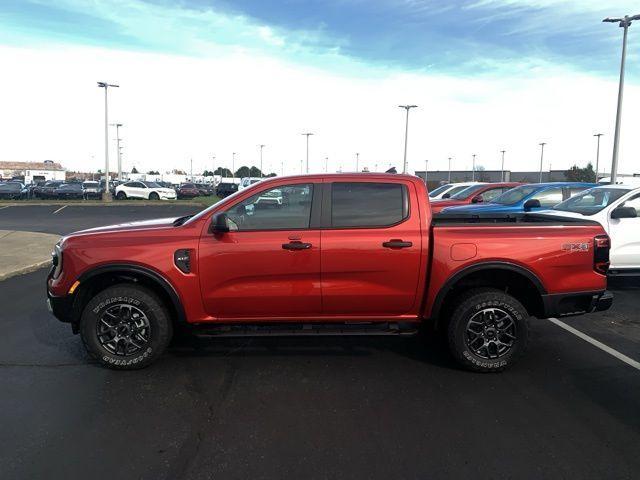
(524, 219)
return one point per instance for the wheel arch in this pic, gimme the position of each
(511, 278)
(99, 278)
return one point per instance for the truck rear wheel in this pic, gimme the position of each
(125, 327)
(488, 331)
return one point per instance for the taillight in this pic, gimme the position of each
(601, 247)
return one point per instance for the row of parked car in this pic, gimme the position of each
(59, 190)
(615, 207)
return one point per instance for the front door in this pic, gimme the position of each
(625, 238)
(371, 249)
(268, 266)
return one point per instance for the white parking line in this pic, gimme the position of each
(61, 208)
(6, 206)
(620, 356)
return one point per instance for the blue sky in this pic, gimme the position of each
(459, 37)
(213, 77)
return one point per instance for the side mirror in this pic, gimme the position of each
(446, 195)
(477, 199)
(219, 223)
(530, 204)
(624, 212)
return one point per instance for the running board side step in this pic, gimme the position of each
(300, 329)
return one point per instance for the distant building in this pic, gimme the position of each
(32, 171)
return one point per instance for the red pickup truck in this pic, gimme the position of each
(327, 254)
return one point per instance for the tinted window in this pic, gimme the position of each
(489, 195)
(515, 195)
(438, 190)
(367, 204)
(633, 202)
(467, 192)
(591, 201)
(151, 184)
(549, 197)
(283, 208)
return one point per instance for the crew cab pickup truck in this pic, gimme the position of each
(337, 254)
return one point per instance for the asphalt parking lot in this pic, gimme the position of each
(309, 407)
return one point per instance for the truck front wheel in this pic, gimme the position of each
(488, 331)
(125, 327)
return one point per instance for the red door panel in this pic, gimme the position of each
(250, 275)
(360, 276)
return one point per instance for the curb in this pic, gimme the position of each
(28, 269)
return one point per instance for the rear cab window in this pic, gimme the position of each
(368, 204)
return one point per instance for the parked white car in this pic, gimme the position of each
(449, 189)
(146, 190)
(617, 209)
(247, 182)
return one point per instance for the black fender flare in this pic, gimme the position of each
(456, 277)
(148, 273)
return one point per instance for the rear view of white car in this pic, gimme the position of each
(145, 190)
(617, 209)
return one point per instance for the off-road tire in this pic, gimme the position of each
(470, 304)
(160, 326)
(121, 195)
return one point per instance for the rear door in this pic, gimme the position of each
(625, 238)
(371, 248)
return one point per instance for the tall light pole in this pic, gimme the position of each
(624, 22)
(598, 153)
(473, 169)
(357, 162)
(426, 169)
(106, 195)
(326, 164)
(118, 125)
(449, 170)
(261, 174)
(406, 134)
(502, 168)
(213, 166)
(233, 166)
(307, 135)
(542, 144)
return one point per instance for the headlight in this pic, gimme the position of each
(56, 260)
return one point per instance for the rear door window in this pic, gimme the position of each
(368, 204)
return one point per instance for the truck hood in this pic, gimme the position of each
(120, 227)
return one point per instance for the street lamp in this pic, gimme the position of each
(502, 169)
(473, 169)
(406, 134)
(106, 195)
(118, 125)
(307, 135)
(233, 166)
(357, 161)
(326, 164)
(597, 153)
(261, 147)
(624, 22)
(542, 144)
(449, 170)
(426, 169)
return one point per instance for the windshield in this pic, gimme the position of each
(592, 201)
(467, 192)
(152, 184)
(439, 190)
(456, 190)
(515, 195)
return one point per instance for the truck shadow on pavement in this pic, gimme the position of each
(429, 349)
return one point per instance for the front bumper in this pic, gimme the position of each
(577, 303)
(62, 306)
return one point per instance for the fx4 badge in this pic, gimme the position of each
(576, 247)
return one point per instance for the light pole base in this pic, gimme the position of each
(106, 197)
